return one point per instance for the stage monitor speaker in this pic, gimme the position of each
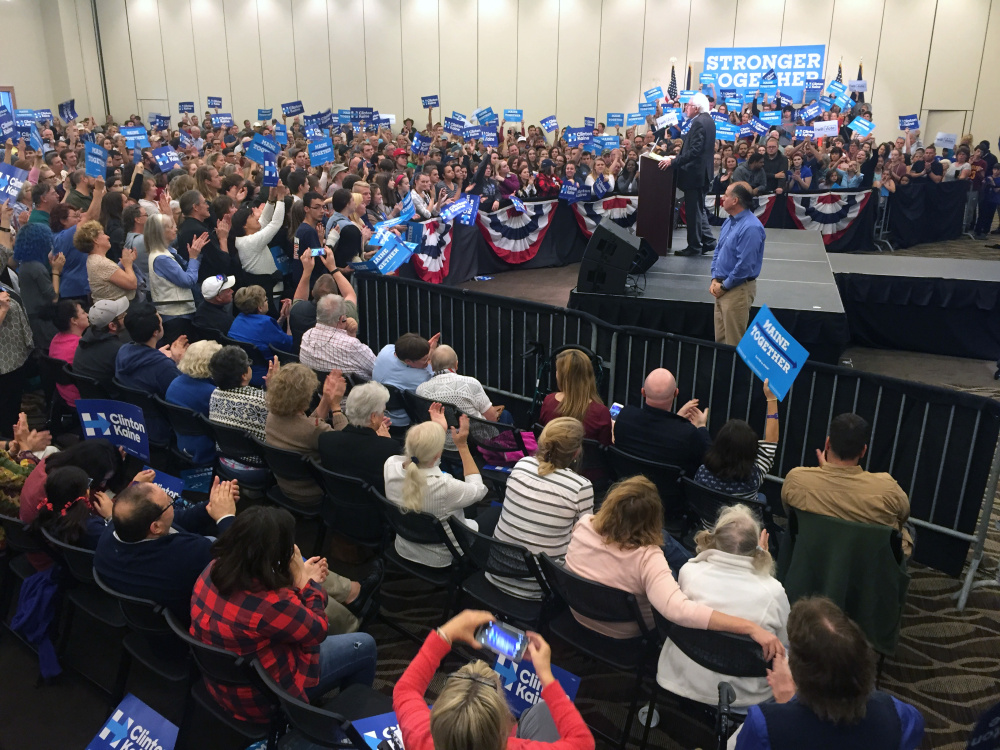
(644, 258)
(610, 245)
(611, 255)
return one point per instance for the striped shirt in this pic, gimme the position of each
(539, 513)
(746, 489)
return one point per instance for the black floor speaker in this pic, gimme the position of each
(611, 255)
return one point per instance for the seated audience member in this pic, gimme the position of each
(737, 462)
(577, 397)
(461, 391)
(107, 280)
(656, 433)
(364, 445)
(69, 511)
(236, 403)
(215, 312)
(254, 326)
(259, 599)
(302, 316)
(141, 366)
(470, 710)
(733, 571)
(405, 365)
(193, 388)
(154, 551)
(825, 690)
(416, 483)
(839, 487)
(544, 500)
(71, 323)
(620, 547)
(290, 391)
(332, 344)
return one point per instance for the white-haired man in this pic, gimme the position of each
(694, 166)
(331, 344)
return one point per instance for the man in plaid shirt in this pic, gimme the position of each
(331, 344)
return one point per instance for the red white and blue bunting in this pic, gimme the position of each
(762, 206)
(829, 213)
(430, 261)
(621, 209)
(516, 237)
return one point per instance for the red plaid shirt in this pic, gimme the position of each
(281, 628)
(547, 187)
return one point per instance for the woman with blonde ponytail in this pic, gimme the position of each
(415, 482)
(734, 572)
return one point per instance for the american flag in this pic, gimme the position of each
(672, 88)
(840, 73)
(859, 96)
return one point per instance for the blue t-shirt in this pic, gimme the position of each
(73, 281)
(391, 370)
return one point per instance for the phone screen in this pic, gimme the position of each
(503, 639)
(615, 409)
(317, 252)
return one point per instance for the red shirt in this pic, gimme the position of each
(281, 628)
(596, 422)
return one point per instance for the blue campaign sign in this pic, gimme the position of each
(35, 138)
(23, 120)
(568, 191)
(911, 122)
(517, 203)
(260, 149)
(803, 133)
(186, 140)
(522, 687)
(136, 136)
(706, 78)
(6, 125)
(468, 216)
(719, 117)
(185, 107)
(483, 115)
(635, 118)
(361, 114)
(122, 424)
(167, 159)
(647, 108)
(449, 212)
(489, 137)
(814, 84)
(288, 109)
(472, 132)
(459, 116)
(421, 144)
(861, 126)
(321, 152)
(769, 81)
(313, 133)
(770, 118)
(757, 126)
(173, 486)
(593, 146)
(408, 210)
(161, 122)
(577, 135)
(734, 102)
(746, 131)
(615, 119)
(986, 734)
(96, 160)
(377, 729)
(686, 128)
(549, 123)
(214, 102)
(771, 352)
(281, 134)
(727, 93)
(513, 115)
(608, 142)
(430, 102)
(394, 253)
(223, 119)
(11, 182)
(198, 480)
(589, 122)
(343, 117)
(270, 165)
(264, 114)
(43, 115)
(67, 110)
(685, 96)
(133, 724)
(825, 103)
(326, 118)
(744, 67)
(651, 95)
(784, 99)
(811, 112)
(836, 88)
(726, 131)
(454, 125)
(844, 101)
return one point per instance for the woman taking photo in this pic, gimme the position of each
(544, 500)
(107, 279)
(471, 712)
(415, 482)
(737, 462)
(799, 175)
(577, 397)
(620, 547)
(733, 571)
(250, 236)
(258, 598)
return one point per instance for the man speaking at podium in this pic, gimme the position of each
(694, 165)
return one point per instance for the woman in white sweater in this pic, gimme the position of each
(249, 239)
(733, 572)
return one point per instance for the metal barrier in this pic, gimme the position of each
(940, 445)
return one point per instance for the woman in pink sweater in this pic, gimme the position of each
(470, 711)
(620, 547)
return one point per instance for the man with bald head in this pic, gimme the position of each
(657, 433)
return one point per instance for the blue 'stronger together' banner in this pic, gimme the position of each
(122, 424)
(133, 724)
(523, 688)
(771, 352)
(744, 67)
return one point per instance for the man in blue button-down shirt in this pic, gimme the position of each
(736, 264)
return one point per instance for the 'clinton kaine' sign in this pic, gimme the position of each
(744, 67)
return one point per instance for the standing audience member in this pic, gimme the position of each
(106, 279)
(16, 345)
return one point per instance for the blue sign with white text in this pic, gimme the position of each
(810, 112)
(11, 182)
(513, 115)
(281, 134)
(861, 126)
(421, 144)
(321, 152)
(361, 114)
(635, 118)
(836, 88)
(136, 136)
(522, 687)
(270, 178)
(430, 102)
(911, 122)
(745, 67)
(97, 160)
(288, 109)
(133, 724)
(651, 95)
(173, 486)
(770, 118)
(167, 159)
(6, 125)
(185, 107)
(647, 108)
(120, 423)
(378, 729)
(67, 110)
(615, 119)
(771, 352)
(549, 123)
(260, 148)
(264, 114)
(223, 119)
(214, 102)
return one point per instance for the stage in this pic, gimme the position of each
(931, 305)
(796, 282)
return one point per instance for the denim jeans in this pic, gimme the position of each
(344, 660)
(675, 552)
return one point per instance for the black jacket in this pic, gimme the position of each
(660, 435)
(96, 353)
(359, 452)
(215, 260)
(695, 163)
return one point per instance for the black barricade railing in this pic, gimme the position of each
(939, 444)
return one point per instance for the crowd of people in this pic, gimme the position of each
(185, 284)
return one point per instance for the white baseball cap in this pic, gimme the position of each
(103, 311)
(213, 285)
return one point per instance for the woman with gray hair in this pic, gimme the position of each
(171, 281)
(733, 573)
(364, 445)
(193, 388)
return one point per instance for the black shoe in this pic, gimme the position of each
(708, 249)
(368, 587)
(688, 251)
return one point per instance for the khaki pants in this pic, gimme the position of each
(341, 620)
(732, 313)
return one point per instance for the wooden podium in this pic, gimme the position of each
(657, 193)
